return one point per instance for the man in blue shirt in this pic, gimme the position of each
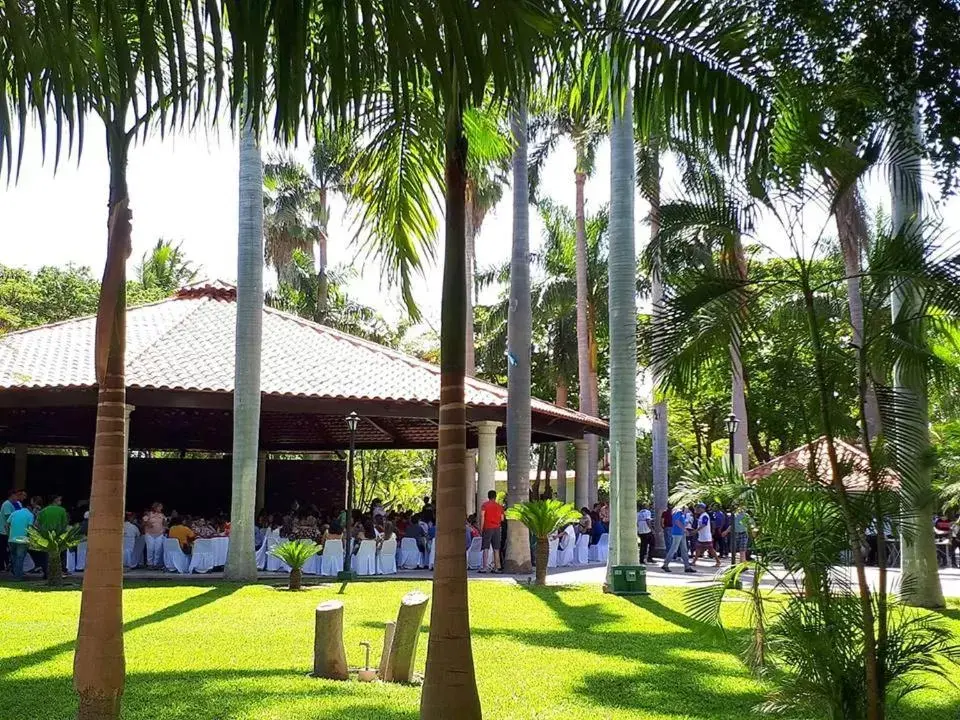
(20, 520)
(678, 535)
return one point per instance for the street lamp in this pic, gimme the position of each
(732, 423)
(347, 574)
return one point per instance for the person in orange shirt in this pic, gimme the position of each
(184, 535)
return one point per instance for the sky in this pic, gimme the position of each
(184, 187)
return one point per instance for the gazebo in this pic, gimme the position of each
(179, 370)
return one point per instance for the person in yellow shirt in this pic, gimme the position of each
(184, 535)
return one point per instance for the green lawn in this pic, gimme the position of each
(203, 652)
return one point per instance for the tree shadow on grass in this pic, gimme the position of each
(220, 695)
(19, 662)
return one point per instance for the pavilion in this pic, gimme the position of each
(179, 370)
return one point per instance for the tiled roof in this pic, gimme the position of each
(187, 343)
(851, 457)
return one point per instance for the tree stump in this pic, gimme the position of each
(387, 642)
(402, 657)
(329, 657)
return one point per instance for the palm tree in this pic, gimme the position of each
(54, 543)
(165, 268)
(291, 206)
(543, 518)
(296, 553)
(241, 559)
(519, 338)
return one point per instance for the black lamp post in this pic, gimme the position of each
(732, 423)
(347, 574)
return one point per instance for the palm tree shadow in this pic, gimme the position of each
(195, 602)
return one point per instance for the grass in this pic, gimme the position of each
(219, 652)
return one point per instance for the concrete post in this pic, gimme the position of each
(582, 481)
(470, 480)
(20, 453)
(127, 409)
(486, 459)
(261, 480)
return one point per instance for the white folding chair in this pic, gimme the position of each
(387, 558)
(581, 551)
(603, 548)
(432, 555)
(565, 554)
(28, 563)
(174, 559)
(552, 557)
(81, 562)
(71, 560)
(203, 557)
(262, 554)
(331, 562)
(475, 554)
(410, 556)
(313, 565)
(365, 561)
(275, 564)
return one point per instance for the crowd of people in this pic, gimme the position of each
(702, 530)
(17, 516)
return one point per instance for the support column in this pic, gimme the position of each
(20, 453)
(127, 410)
(486, 459)
(261, 480)
(582, 481)
(470, 480)
(561, 489)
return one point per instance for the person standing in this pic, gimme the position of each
(704, 536)
(718, 520)
(666, 525)
(153, 522)
(9, 506)
(741, 530)
(645, 532)
(491, 518)
(20, 521)
(678, 543)
(427, 514)
(52, 518)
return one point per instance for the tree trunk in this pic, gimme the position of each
(561, 448)
(406, 634)
(323, 283)
(623, 342)
(519, 332)
(659, 426)
(586, 335)
(329, 656)
(54, 570)
(921, 586)
(543, 557)
(99, 666)
(852, 233)
(450, 684)
(470, 460)
(241, 556)
(738, 393)
(296, 578)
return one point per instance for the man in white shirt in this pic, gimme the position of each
(645, 532)
(130, 529)
(704, 536)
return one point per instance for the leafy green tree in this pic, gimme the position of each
(543, 518)
(295, 553)
(54, 543)
(50, 294)
(165, 268)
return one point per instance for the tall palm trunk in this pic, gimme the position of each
(241, 558)
(852, 233)
(98, 665)
(623, 341)
(738, 393)
(561, 447)
(470, 460)
(921, 585)
(323, 283)
(659, 424)
(586, 341)
(450, 684)
(519, 334)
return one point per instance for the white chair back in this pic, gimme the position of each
(262, 554)
(174, 558)
(581, 552)
(432, 555)
(603, 548)
(475, 554)
(203, 557)
(565, 552)
(387, 557)
(313, 565)
(28, 564)
(275, 564)
(81, 555)
(552, 557)
(410, 556)
(331, 562)
(365, 561)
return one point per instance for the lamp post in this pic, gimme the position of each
(732, 423)
(347, 574)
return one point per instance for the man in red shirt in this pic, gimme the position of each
(491, 517)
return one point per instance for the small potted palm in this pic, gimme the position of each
(54, 543)
(295, 553)
(543, 518)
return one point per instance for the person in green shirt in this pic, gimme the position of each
(51, 517)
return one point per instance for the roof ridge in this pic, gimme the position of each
(130, 359)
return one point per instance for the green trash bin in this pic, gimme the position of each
(630, 580)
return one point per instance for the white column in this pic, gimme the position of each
(582, 481)
(20, 466)
(486, 459)
(261, 480)
(470, 480)
(127, 409)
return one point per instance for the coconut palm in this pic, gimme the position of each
(295, 553)
(543, 518)
(54, 543)
(241, 559)
(291, 207)
(165, 268)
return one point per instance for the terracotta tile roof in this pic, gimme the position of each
(187, 343)
(855, 459)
